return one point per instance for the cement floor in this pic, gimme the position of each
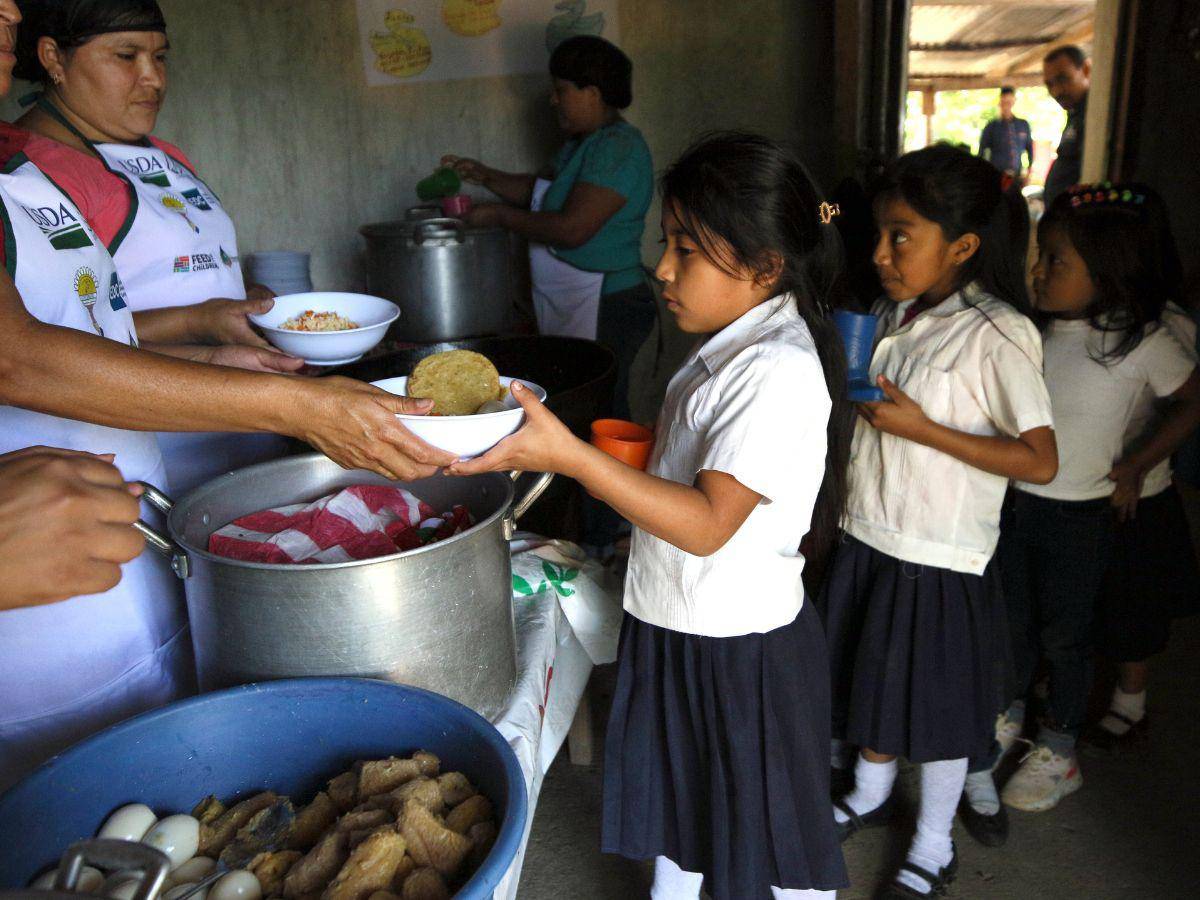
(1131, 832)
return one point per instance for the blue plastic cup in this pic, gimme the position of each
(858, 337)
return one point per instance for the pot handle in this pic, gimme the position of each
(522, 506)
(421, 229)
(180, 564)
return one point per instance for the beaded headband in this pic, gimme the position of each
(1105, 193)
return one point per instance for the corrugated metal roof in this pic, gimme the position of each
(977, 39)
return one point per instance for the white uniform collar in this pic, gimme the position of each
(961, 300)
(743, 332)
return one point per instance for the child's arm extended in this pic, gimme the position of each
(1179, 420)
(698, 519)
(1032, 456)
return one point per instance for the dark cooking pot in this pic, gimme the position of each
(578, 376)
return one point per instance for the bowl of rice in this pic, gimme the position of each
(327, 328)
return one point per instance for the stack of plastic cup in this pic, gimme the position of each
(858, 337)
(283, 271)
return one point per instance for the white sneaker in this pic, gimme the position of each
(1008, 732)
(1043, 779)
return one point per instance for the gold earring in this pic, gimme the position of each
(56, 78)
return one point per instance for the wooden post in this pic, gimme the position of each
(929, 107)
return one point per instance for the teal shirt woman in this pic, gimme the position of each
(584, 214)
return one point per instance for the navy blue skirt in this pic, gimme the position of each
(1152, 578)
(717, 757)
(919, 655)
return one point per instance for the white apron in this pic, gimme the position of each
(179, 249)
(70, 668)
(566, 300)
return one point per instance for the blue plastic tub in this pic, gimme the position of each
(290, 736)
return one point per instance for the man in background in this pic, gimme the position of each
(1067, 72)
(1007, 139)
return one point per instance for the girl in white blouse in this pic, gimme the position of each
(915, 623)
(1126, 395)
(716, 761)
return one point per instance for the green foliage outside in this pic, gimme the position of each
(960, 116)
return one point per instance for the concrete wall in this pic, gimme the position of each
(269, 100)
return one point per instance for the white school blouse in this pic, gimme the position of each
(1146, 411)
(1095, 401)
(751, 402)
(973, 363)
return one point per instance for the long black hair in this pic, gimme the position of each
(749, 203)
(964, 194)
(1123, 233)
(74, 22)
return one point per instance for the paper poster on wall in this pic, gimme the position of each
(404, 41)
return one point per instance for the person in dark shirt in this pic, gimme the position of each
(1007, 139)
(1067, 72)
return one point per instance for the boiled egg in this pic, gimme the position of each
(129, 823)
(238, 885)
(176, 836)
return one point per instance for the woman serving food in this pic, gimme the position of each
(73, 375)
(584, 214)
(102, 67)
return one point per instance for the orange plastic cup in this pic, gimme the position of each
(627, 441)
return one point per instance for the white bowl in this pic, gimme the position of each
(328, 348)
(465, 436)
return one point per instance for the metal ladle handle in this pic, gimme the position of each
(180, 564)
(106, 853)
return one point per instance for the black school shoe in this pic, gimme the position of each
(937, 883)
(880, 815)
(1097, 741)
(991, 831)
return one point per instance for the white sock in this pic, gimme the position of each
(872, 785)
(1131, 706)
(981, 793)
(931, 849)
(672, 883)
(798, 894)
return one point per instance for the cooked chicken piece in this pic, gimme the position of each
(313, 872)
(379, 776)
(312, 822)
(470, 812)
(424, 790)
(455, 788)
(430, 843)
(371, 867)
(343, 791)
(365, 820)
(425, 884)
(214, 836)
(208, 809)
(270, 869)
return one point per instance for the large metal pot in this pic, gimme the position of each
(439, 617)
(450, 281)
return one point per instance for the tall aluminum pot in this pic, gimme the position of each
(439, 617)
(450, 281)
